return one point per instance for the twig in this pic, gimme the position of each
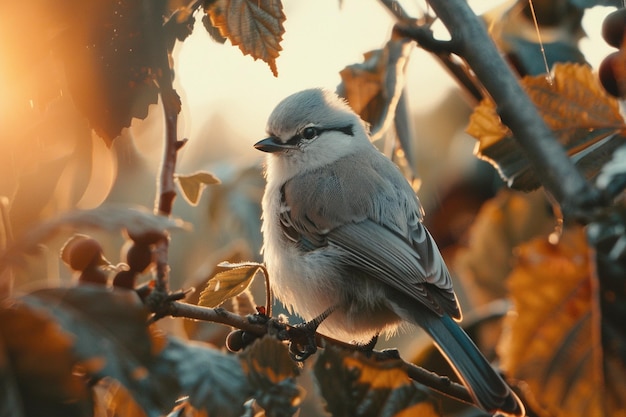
(440, 384)
(472, 42)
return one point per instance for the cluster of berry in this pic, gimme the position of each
(612, 71)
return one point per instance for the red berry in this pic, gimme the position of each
(613, 27)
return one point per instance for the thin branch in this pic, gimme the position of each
(440, 384)
(472, 42)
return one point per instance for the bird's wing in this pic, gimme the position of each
(416, 269)
(375, 220)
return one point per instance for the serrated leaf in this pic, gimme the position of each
(353, 385)
(574, 106)
(272, 373)
(256, 26)
(192, 185)
(214, 381)
(550, 342)
(227, 284)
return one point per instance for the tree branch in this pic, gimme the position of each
(472, 42)
(440, 384)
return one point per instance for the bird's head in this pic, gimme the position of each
(310, 129)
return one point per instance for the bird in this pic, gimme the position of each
(344, 243)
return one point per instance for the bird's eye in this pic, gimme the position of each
(309, 133)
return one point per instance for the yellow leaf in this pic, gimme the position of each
(574, 105)
(574, 99)
(550, 339)
(227, 284)
(256, 26)
(193, 185)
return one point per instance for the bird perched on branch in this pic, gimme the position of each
(345, 245)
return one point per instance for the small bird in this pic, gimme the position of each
(344, 242)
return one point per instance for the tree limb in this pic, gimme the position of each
(472, 42)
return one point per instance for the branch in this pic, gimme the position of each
(472, 43)
(440, 384)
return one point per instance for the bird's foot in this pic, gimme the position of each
(302, 337)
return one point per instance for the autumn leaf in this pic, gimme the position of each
(573, 104)
(271, 373)
(354, 385)
(229, 283)
(192, 185)
(256, 26)
(550, 338)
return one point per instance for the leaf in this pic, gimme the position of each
(373, 88)
(503, 222)
(192, 185)
(110, 338)
(353, 385)
(41, 364)
(111, 399)
(113, 56)
(137, 220)
(550, 342)
(229, 283)
(256, 26)
(574, 106)
(608, 239)
(272, 373)
(214, 381)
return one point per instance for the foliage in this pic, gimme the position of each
(97, 350)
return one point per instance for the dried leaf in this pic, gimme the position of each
(271, 373)
(229, 283)
(111, 399)
(354, 385)
(550, 342)
(574, 106)
(192, 185)
(256, 26)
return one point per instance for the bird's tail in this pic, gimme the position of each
(487, 387)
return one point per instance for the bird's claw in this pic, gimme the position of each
(302, 341)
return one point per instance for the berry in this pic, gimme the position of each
(613, 27)
(239, 339)
(81, 252)
(139, 257)
(125, 279)
(607, 74)
(93, 275)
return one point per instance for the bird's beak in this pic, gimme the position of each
(272, 145)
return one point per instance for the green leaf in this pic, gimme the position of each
(354, 385)
(229, 283)
(272, 373)
(192, 185)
